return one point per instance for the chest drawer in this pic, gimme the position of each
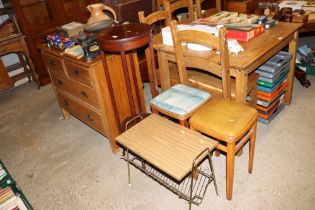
(78, 73)
(54, 63)
(81, 111)
(9, 47)
(83, 92)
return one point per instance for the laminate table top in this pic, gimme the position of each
(168, 146)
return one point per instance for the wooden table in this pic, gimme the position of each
(256, 52)
(172, 149)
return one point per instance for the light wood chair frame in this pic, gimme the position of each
(151, 19)
(230, 145)
(178, 4)
(186, 59)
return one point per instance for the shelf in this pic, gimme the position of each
(20, 76)
(14, 67)
(200, 182)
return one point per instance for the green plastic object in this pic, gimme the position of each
(8, 181)
(309, 69)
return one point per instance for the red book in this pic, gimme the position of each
(245, 34)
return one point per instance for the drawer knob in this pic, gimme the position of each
(51, 62)
(89, 117)
(84, 93)
(60, 82)
(66, 103)
(77, 72)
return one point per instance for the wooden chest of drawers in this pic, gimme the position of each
(82, 91)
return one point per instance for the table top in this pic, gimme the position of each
(124, 37)
(168, 146)
(254, 49)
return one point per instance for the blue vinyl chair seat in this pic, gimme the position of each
(180, 99)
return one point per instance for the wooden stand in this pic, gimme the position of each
(12, 41)
(125, 40)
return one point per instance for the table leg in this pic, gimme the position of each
(252, 149)
(292, 50)
(230, 157)
(212, 173)
(128, 165)
(30, 63)
(241, 86)
(127, 82)
(164, 72)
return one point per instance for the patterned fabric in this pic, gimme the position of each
(180, 99)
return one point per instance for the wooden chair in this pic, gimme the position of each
(175, 6)
(157, 20)
(231, 123)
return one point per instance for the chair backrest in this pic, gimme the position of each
(159, 3)
(210, 11)
(209, 61)
(154, 17)
(177, 5)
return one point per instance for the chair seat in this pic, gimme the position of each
(180, 101)
(223, 119)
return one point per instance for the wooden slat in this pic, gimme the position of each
(166, 145)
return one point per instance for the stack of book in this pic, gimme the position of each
(11, 196)
(272, 84)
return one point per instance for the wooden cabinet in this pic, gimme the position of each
(127, 10)
(40, 17)
(242, 6)
(82, 90)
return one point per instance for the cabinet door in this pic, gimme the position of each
(127, 10)
(36, 15)
(75, 10)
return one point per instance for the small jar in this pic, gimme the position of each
(287, 17)
(274, 9)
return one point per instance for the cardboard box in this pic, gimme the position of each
(71, 29)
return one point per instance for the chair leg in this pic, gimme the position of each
(230, 157)
(154, 111)
(252, 149)
(240, 152)
(183, 123)
(217, 152)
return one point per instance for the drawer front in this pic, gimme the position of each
(78, 73)
(54, 63)
(83, 92)
(9, 47)
(81, 111)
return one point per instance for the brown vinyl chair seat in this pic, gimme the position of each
(223, 119)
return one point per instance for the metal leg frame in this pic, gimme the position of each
(189, 189)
